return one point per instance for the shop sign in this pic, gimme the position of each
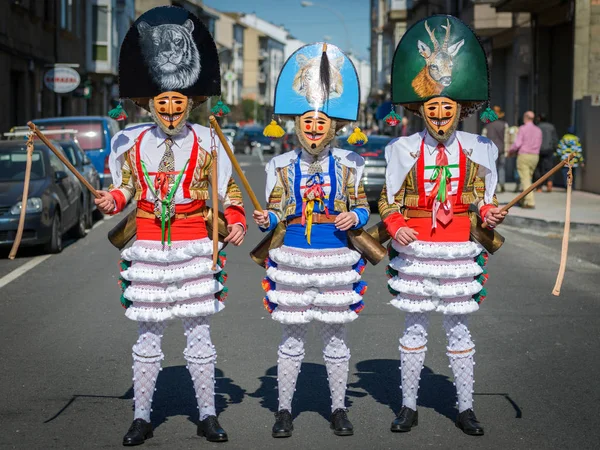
(62, 79)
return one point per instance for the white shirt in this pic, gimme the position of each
(452, 152)
(152, 150)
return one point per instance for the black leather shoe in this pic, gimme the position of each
(468, 423)
(283, 424)
(138, 432)
(211, 430)
(405, 420)
(340, 424)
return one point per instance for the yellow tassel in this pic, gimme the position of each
(358, 138)
(273, 130)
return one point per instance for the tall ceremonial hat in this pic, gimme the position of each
(440, 56)
(168, 49)
(318, 77)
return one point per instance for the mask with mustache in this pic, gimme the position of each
(170, 111)
(441, 116)
(315, 130)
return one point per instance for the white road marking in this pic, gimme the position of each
(22, 270)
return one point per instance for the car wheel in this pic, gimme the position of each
(97, 214)
(78, 231)
(55, 245)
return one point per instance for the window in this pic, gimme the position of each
(13, 162)
(100, 32)
(66, 14)
(55, 163)
(49, 10)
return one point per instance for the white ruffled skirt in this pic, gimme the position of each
(445, 277)
(161, 283)
(314, 284)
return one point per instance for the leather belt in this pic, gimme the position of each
(316, 218)
(419, 213)
(148, 215)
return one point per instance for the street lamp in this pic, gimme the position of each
(306, 4)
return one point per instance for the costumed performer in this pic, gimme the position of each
(440, 73)
(169, 64)
(317, 191)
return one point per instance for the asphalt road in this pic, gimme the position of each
(65, 357)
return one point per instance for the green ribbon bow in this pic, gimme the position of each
(164, 218)
(445, 173)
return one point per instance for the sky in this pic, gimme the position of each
(311, 24)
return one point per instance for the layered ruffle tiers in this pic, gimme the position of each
(161, 283)
(303, 285)
(436, 276)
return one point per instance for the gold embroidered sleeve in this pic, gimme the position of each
(127, 186)
(480, 192)
(233, 196)
(385, 209)
(277, 197)
(356, 199)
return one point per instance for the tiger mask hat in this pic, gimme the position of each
(168, 49)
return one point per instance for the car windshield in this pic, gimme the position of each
(13, 161)
(374, 148)
(256, 135)
(90, 134)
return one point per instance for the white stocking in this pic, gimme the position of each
(200, 355)
(336, 355)
(413, 345)
(460, 352)
(147, 355)
(291, 353)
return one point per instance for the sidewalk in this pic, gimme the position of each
(549, 210)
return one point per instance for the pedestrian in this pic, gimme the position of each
(511, 160)
(527, 147)
(432, 178)
(497, 132)
(405, 130)
(547, 151)
(166, 166)
(317, 190)
(569, 145)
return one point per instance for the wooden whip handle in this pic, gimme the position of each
(19, 235)
(539, 182)
(62, 157)
(236, 165)
(215, 208)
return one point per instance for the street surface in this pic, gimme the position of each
(66, 357)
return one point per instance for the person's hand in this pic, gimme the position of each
(261, 218)
(106, 203)
(236, 234)
(406, 235)
(345, 221)
(495, 216)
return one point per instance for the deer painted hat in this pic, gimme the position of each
(168, 49)
(318, 77)
(440, 56)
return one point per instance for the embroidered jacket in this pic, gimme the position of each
(125, 161)
(345, 191)
(405, 176)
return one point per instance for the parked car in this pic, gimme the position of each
(230, 130)
(374, 154)
(94, 135)
(55, 202)
(82, 163)
(252, 136)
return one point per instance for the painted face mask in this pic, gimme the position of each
(315, 130)
(441, 116)
(170, 110)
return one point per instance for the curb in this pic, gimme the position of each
(549, 225)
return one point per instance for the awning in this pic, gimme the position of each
(530, 6)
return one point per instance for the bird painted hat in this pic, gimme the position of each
(318, 77)
(168, 49)
(440, 56)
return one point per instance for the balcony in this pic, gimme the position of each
(484, 18)
(398, 9)
(530, 6)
